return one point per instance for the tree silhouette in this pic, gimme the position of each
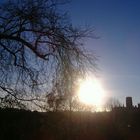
(112, 103)
(38, 47)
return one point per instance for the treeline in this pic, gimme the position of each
(26, 125)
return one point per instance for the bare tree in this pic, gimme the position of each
(112, 103)
(38, 47)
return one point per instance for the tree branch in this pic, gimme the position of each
(27, 44)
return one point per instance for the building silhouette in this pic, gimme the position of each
(129, 106)
(129, 103)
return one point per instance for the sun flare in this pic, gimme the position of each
(91, 92)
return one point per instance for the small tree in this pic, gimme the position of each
(112, 103)
(38, 45)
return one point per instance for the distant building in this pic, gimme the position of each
(129, 106)
(129, 103)
(139, 105)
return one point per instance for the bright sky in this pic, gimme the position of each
(117, 22)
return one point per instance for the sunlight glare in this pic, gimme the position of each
(91, 92)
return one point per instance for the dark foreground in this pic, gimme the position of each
(25, 125)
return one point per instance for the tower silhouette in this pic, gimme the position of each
(129, 103)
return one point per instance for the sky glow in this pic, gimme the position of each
(116, 22)
(91, 92)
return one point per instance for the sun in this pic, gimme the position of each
(91, 92)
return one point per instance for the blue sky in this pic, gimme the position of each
(117, 22)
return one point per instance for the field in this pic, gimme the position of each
(26, 125)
